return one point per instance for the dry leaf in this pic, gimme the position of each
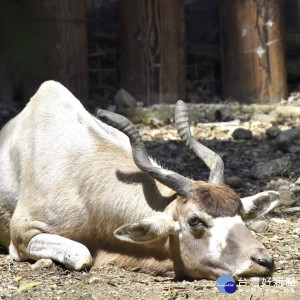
(26, 286)
(18, 278)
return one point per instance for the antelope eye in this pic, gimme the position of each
(194, 221)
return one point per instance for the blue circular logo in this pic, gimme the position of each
(225, 284)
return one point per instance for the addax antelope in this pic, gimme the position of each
(84, 191)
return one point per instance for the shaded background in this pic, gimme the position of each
(163, 50)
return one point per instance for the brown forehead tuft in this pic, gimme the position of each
(217, 200)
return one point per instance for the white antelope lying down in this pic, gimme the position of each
(79, 191)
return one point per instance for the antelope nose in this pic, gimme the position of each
(267, 263)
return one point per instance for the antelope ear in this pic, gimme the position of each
(259, 204)
(148, 230)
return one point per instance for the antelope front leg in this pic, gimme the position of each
(72, 254)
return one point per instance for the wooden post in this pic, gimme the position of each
(60, 41)
(153, 50)
(253, 61)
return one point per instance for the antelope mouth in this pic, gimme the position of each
(252, 269)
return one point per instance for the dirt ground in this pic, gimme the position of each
(109, 282)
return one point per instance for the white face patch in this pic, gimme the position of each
(245, 266)
(220, 228)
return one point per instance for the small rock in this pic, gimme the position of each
(112, 108)
(234, 181)
(294, 149)
(249, 185)
(245, 117)
(273, 132)
(281, 182)
(297, 182)
(60, 292)
(287, 198)
(272, 168)
(291, 209)
(124, 100)
(246, 171)
(278, 221)
(11, 287)
(42, 263)
(213, 115)
(291, 99)
(297, 231)
(242, 134)
(263, 118)
(157, 122)
(94, 280)
(275, 237)
(289, 140)
(287, 111)
(258, 226)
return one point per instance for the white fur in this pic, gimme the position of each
(157, 226)
(113, 135)
(164, 223)
(250, 203)
(219, 232)
(245, 266)
(13, 253)
(70, 253)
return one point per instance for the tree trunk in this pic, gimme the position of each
(60, 39)
(153, 50)
(253, 61)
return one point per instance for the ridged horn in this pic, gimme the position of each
(176, 182)
(211, 159)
